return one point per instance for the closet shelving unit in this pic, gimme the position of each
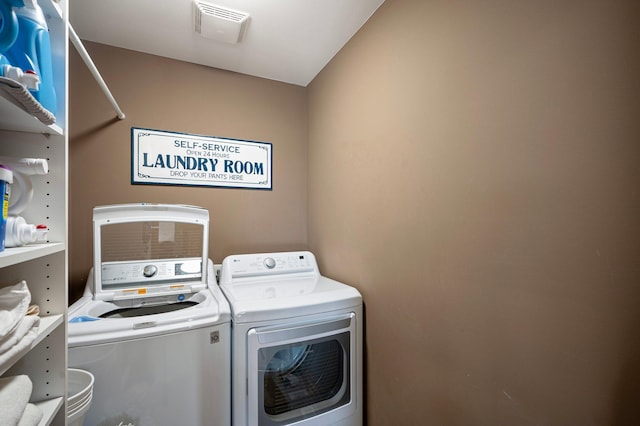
(44, 266)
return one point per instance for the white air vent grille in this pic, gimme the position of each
(210, 9)
(219, 23)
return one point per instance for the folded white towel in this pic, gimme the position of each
(23, 328)
(31, 416)
(8, 358)
(20, 96)
(15, 392)
(14, 302)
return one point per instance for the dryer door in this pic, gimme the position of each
(304, 372)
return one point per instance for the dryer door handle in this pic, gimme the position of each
(267, 335)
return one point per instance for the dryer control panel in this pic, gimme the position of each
(267, 265)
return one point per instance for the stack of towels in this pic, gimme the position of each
(18, 324)
(18, 328)
(15, 408)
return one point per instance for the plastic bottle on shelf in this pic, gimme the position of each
(8, 32)
(18, 232)
(22, 169)
(28, 79)
(8, 35)
(32, 49)
(6, 179)
(9, 28)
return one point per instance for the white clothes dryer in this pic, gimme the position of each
(297, 342)
(153, 326)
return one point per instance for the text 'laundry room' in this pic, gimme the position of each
(249, 213)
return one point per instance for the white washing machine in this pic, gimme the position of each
(297, 342)
(153, 326)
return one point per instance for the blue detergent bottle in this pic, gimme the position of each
(8, 28)
(32, 50)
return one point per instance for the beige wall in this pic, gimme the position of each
(473, 170)
(164, 94)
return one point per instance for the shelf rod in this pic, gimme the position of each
(94, 71)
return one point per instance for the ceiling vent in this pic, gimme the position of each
(219, 23)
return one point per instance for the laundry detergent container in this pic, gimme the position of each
(79, 395)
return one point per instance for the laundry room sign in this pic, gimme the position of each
(167, 158)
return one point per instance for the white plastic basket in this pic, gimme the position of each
(79, 395)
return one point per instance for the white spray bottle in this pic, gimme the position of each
(22, 169)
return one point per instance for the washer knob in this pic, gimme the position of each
(270, 262)
(149, 270)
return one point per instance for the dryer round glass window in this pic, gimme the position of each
(302, 378)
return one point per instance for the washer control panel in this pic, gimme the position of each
(115, 274)
(268, 264)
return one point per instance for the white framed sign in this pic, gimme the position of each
(160, 157)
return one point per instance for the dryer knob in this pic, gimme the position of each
(270, 262)
(149, 270)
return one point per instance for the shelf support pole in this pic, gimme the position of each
(94, 71)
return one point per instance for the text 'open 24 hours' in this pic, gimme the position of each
(166, 158)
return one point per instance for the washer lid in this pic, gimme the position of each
(149, 250)
(269, 286)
